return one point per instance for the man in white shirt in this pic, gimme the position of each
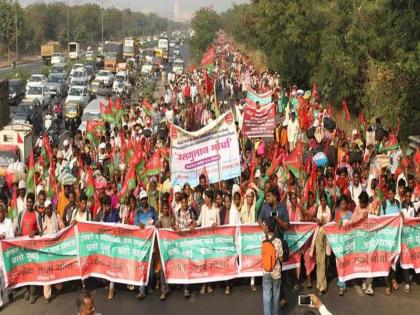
(292, 130)
(21, 199)
(6, 232)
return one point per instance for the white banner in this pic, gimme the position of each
(213, 150)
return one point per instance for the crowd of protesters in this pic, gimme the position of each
(364, 173)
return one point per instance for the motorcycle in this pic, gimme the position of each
(58, 111)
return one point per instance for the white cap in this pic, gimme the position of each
(143, 194)
(177, 189)
(47, 202)
(354, 132)
(66, 143)
(22, 184)
(102, 145)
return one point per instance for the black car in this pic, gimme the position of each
(28, 112)
(16, 91)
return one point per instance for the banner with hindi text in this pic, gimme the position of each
(40, 260)
(116, 252)
(259, 123)
(200, 255)
(212, 150)
(366, 249)
(410, 244)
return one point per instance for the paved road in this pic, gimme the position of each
(241, 301)
(32, 67)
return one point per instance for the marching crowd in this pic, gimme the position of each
(356, 175)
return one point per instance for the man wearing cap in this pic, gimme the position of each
(145, 215)
(29, 223)
(51, 224)
(6, 232)
(67, 150)
(176, 203)
(21, 199)
(102, 155)
(59, 166)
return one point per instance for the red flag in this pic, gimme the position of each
(147, 107)
(252, 165)
(191, 68)
(209, 83)
(294, 160)
(346, 110)
(362, 120)
(329, 110)
(51, 181)
(314, 91)
(154, 164)
(208, 57)
(30, 179)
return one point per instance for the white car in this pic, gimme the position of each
(178, 66)
(78, 94)
(147, 68)
(79, 75)
(36, 80)
(40, 93)
(57, 58)
(75, 67)
(105, 76)
(120, 82)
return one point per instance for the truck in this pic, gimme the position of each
(163, 48)
(131, 47)
(74, 51)
(48, 50)
(113, 54)
(16, 143)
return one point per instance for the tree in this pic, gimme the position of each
(205, 24)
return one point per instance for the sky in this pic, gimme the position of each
(161, 7)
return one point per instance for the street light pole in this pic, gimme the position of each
(16, 38)
(102, 18)
(68, 27)
(123, 23)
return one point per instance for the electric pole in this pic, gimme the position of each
(16, 38)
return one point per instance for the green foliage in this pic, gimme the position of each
(23, 75)
(205, 24)
(47, 20)
(45, 70)
(366, 52)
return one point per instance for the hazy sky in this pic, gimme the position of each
(161, 7)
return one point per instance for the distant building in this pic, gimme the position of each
(177, 11)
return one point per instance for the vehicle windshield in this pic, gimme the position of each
(70, 108)
(12, 87)
(89, 70)
(110, 55)
(90, 116)
(7, 157)
(23, 110)
(120, 78)
(55, 79)
(56, 69)
(75, 92)
(77, 67)
(57, 55)
(72, 48)
(78, 74)
(178, 64)
(35, 79)
(103, 73)
(35, 90)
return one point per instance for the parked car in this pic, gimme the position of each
(178, 66)
(120, 82)
(78, 94)
(36, 80)
(106, 77)
(40, 93)
(29, 112)
(91, 112)
(56, 84)
(57, 58)
(90, 70)
(16, 91)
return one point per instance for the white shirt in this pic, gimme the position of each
(208, 216)
(323, 310)
(6, 228)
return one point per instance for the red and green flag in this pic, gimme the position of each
(94, 129)
(46, 151)
(90, 183)
(30, 177)
(294, 160)
(147, 107)
(208, 57)
(106, 112)
(52, 183)
(153, 165)
(13, 209)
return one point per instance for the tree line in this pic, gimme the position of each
(367, 52)
(41, 22)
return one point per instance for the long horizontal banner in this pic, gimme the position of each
(263, 99)
(116, 252)
(200, 255)
(40, 260)
(410, 242)
(367, 248)
(123, 253)
(259, 123)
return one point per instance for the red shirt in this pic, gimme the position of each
(29, 223)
